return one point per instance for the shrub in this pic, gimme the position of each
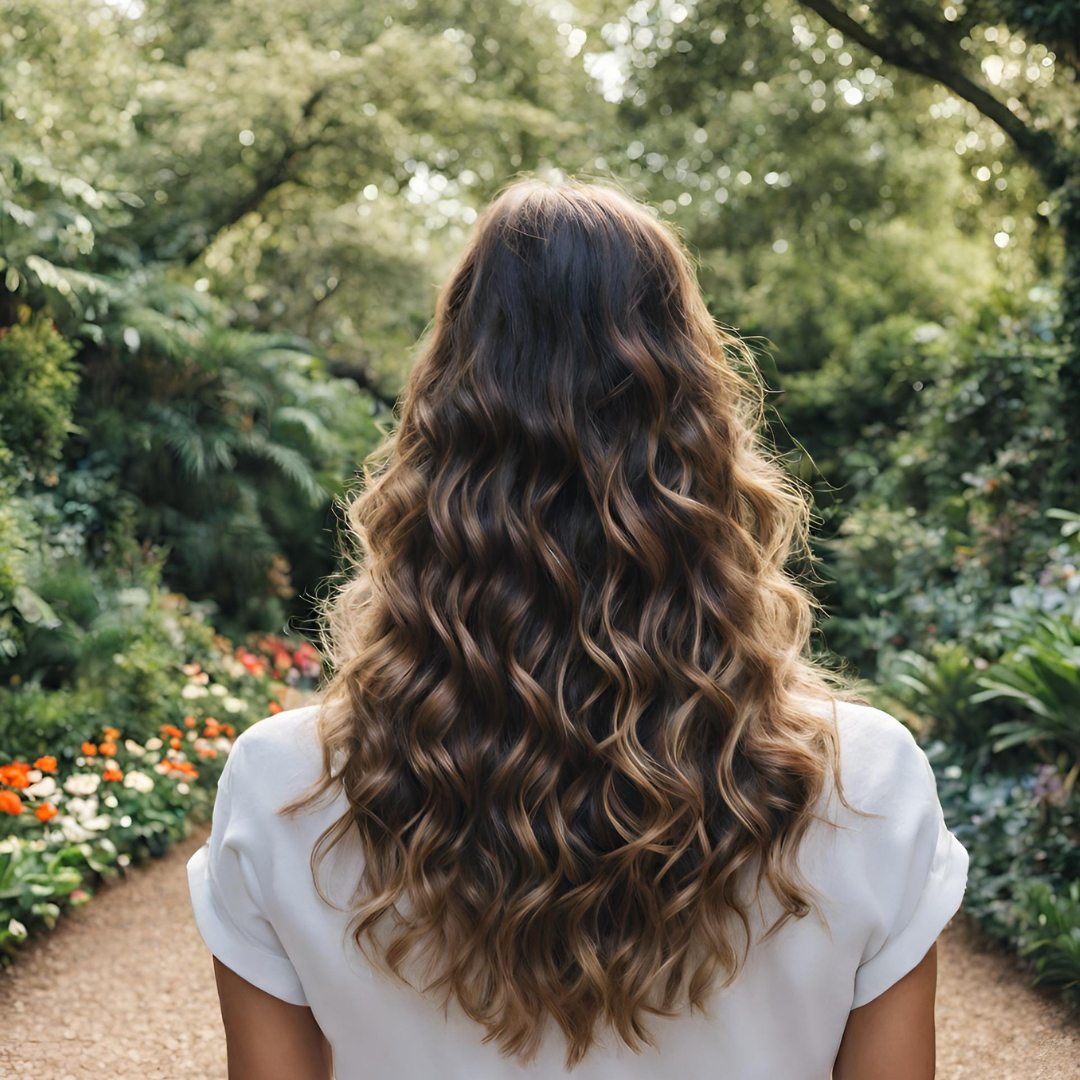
(38, 385)
(1023, 839)
(1042, 677)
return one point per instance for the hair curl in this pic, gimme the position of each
(569, 702)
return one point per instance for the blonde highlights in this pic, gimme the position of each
(570, 704)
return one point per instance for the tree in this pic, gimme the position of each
(1018, 63)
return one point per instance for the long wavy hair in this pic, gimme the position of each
(570, 706)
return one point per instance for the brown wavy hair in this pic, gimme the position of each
(571, 679)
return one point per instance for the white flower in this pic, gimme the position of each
(34, 775)
(234, 705)
(98, 824)
(138, 781)
(9, 845)
(222, 744)
(153, 744)
(219, 689)
(81, 809)
(134, 748)
(192, 735)
(42, 789)
(233, 667)
(123, 860)
(82, 784)
(16, 928)
(192, 691)
(110, 802)
(73, 832)
(182, 788)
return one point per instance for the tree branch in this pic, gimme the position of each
(1040, 148)
(280, 172)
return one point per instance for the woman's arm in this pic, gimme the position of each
(892, 1037)
(267, 1038)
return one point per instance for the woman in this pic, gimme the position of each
(576, 796)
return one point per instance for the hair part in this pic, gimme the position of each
(569, 707)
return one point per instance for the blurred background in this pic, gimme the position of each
(222, 231)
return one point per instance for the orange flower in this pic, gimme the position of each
(89, 749)
(206, 751)
(111, 734)
(46, 812)
(46, 764)
(14, 775)
(108, 749)
(190, 721)
(175, 744)
(212, 730)
(170, 729)
(229, 730)
(275, 708)
(112, 772)
(10, 803)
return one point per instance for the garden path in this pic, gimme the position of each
(124, 990)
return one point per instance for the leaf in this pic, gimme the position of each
(34, 609)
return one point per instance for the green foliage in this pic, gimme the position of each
(38, 384)
(1050, 935)
(1023, 840)
(1042, 676)
(943, 687)
(232, 447)
(950, 499)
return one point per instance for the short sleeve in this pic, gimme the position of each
(918, 869)
(227, 897)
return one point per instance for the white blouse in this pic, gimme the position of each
(890, 884)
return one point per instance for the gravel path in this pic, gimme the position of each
(124, 990)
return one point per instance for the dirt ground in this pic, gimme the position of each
(124, 990)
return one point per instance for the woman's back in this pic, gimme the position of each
(889, 885)
(570, 764)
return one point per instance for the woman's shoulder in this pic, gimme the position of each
(276, 758)
(879, 755)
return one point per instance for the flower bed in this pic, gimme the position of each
(81, 808)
